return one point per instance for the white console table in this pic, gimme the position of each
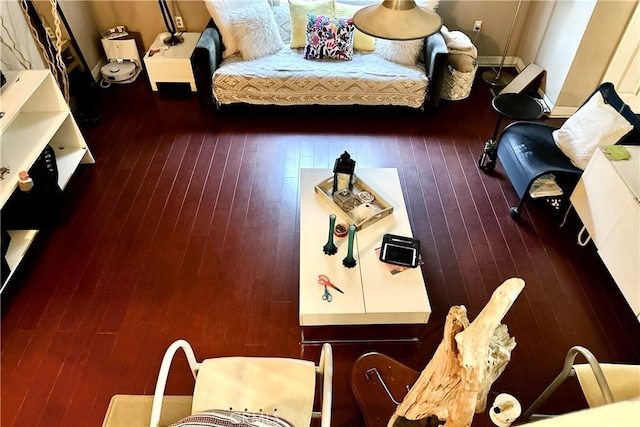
(607, 199)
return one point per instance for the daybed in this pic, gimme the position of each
(285, 77)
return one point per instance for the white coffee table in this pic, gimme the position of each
(372, 295)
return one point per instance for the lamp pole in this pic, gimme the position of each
(501, 78)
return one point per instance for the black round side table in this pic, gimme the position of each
(515, 106)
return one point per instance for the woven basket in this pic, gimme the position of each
(457, 85)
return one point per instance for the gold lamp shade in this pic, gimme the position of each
(397, 20)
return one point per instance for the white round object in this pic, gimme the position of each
(366, 210)
(118, 71)
(505, 410)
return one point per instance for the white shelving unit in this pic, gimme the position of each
(35, 114)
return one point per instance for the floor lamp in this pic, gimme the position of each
(173, 39)
(397, 20)
(500, 78)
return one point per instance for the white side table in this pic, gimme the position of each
(172, 65)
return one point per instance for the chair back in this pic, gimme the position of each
(262, 385)
(612, 98)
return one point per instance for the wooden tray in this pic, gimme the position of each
(324, 190)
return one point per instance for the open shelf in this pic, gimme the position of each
(35, 115)
(20, 242)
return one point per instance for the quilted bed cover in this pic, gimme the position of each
(285, 78)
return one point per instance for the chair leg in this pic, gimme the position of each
(379, 382)
(325, 369)
(514, 211)
(161, 383)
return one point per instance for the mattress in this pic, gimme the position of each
(286, 78)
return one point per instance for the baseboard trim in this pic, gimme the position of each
(562, 112)
(494, 61)
(96, 71)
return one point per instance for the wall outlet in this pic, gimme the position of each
(179, 23)
(477, 26)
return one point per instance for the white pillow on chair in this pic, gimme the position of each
(594, 125)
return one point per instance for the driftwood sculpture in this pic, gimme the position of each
(455, 383)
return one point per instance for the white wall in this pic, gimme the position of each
(566, 22)
(18, 31)
(608, 22)
(573, 40)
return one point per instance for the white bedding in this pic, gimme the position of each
(286, 78)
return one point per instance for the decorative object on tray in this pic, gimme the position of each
(341, 230)
(343, 170)
(365, 197)
(345, 199)
(366, 210)
(349, 261)
(346, 202)
(330, 248)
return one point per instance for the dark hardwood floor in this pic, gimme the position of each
(187, 227)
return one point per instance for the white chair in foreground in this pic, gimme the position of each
(601, 383)
(250, 388)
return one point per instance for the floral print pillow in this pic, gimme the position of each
(329, 37)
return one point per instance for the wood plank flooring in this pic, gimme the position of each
(187, 227)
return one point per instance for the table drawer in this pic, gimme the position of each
(170, 72)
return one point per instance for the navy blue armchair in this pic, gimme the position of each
(527, 150)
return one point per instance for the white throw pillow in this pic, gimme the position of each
(256, 31)
(400, 52)
(219, 11)
(594, 125)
